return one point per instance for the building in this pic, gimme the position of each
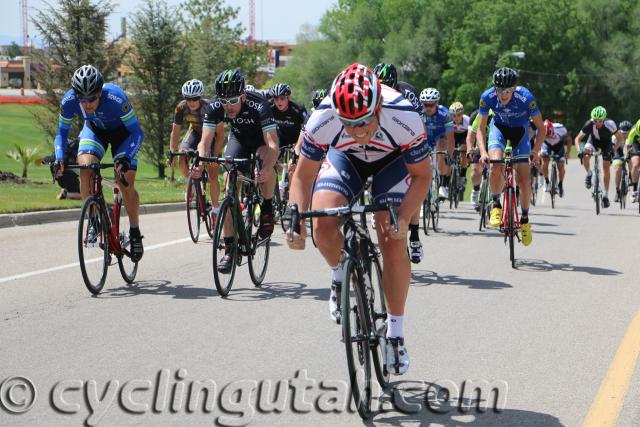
(12, 72)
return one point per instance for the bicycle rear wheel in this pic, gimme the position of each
(356, 330)
(260, 248)
(425, 215)
(193, 214)
(378, 310)
(224, 279)
(93, 245)
(623, 189)
(435, 215)
(128, 268)
(482, 199)
(205, 209)
(453, 187)
(534, 186)
(554, 185)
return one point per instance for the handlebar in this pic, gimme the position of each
(97, 166)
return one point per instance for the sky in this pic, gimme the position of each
(275, 19)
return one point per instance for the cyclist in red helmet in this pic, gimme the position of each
(556, 137)
(366, 130)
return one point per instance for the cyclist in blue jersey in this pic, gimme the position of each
(388, 75)
(440, 128)
(512, 107)
(108, 119)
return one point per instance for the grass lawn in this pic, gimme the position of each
(18, 126)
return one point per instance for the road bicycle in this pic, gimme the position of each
(281, 194)
(456, 192)
(431, 205)
(363, 307)
(99, 232)
(553, 180)
(239, 215)
(623, 188)
(198, 208)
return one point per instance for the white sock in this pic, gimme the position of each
(337, 273)
(395, 326)
(589, 173)
(606, 194)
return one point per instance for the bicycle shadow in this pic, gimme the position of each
(159, 287)
(543, 265)
(556, 233)
(425, 278)
(552, 215)
(425, 403)
(462, 233)
(272, 290)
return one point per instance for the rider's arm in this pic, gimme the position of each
(212, 119)
(480, 136)
(64, 124)
(539, 124)
(204, 146)
(173, 139)
(619, 140)
(578, 140)
(136, 136)
(271, 139)
(302, 182)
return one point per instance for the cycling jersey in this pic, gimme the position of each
(559, 134)
(289, 122)
(516, 113)
(254, 119)
(605, 133)
(634, 134)
(411, 94)
(194, 118)
(460, 129)
(438, 125)
(114, 121)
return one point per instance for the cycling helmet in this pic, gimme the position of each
(456, 108)
(429, 95)
(599, 113)
(356, 92)
(87, 80)
(625, 126)
(548, 127)
(318, 96)
(387, 74)
(193, 89)
(229, 83)
(249, 88)
(280, 89)
(505, 77)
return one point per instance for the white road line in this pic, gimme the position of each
(77, 264)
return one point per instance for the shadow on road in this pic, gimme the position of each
(542, 265)
(271, 290)
(424, 403)
(159, 287)
(426, 278)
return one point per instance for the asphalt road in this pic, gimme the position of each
(544, 335)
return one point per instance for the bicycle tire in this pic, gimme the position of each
(93, 212)
(356, 331)
(127, 266)
(534, 187)
(425, 215)
(259, 258)
(378, 310)
(224, 281)
(596, 189)
(453, 183)
(193, 214)
(482, 198)
(554, 185)
(623, 189)
(511, 228)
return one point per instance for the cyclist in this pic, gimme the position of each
(556, 136)
(290, 118)
(439, 126)
(365, 129)
(253, 132)
(512, 106)
(633, 149)
(388, 75)
(191, 109)
(108, 119)
(600, 130)
(619, 155)
(476, 173)
(460, 131)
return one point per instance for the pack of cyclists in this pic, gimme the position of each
(369, 130)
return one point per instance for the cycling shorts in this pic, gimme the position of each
(95, 142)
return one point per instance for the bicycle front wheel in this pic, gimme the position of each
(356, 333)
(224, 271)
(554, 185)
(425, 215)
(259, 257)
(93, 245)
(623, 190)
(511, 229)
(596, 191)
(128, 268)
(378, 310)
(193, 214)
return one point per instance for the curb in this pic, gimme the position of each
(45, 217)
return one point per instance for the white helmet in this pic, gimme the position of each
(193, 89)
(249, 88)
(429, 95)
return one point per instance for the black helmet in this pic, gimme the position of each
(387, 74)
(318, 96)
(229, 83)
(625, 126)
(280, 89)
(87, 80)
(505, 77)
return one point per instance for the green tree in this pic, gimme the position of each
(159, 62)
(14, 50)
(73, 34)
(24, 156)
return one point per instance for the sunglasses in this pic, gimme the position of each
(87, 100)
(193, 99)
(500, 90)
(357, 123)
(230, 101)
(429, 104)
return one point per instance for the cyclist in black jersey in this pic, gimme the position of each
(290, 118)
(388, 75)
(253, 132)
(191, 110)
(600, 130)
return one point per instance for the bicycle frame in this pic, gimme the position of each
(509, 194)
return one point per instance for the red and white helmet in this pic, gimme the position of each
(356, 93)
(548, 127)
